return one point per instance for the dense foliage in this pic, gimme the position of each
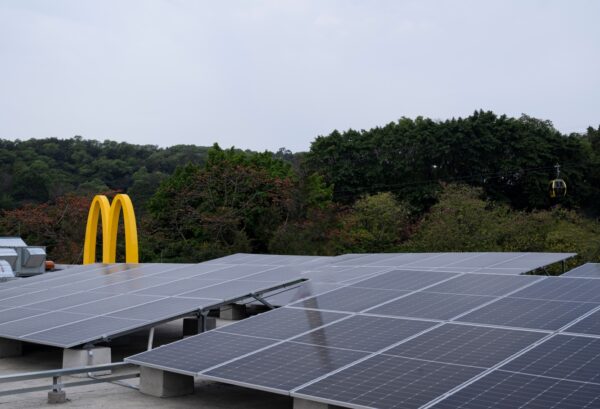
(468, 184)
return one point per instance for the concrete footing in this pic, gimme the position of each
(193, 326)
(76, 358)
(10, 347)
(233, 312)
(57, 397)
(163, 384)
(309, 404)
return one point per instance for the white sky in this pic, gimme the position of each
(273, 73)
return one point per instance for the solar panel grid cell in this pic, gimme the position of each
(350, 299)
(504, 390)
(563, 289)
(364, 333)
(285, 366)
(562, 356)
(430, 305)
(526, 313)
(389, 382)
(405, 280)
(466, 345)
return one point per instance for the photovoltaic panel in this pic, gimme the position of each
(588, 270)
(588, 325)
(466, 345)
(405, 280)
(18, 313)
(284, 366)
(388, 382)
(161, 309)
(563, 289)
(112, 304)
(503, 390)
(282, 323)
(530, 261)
(196, 354)
(525, 313)
(71, 302)
(78, 332)
(484, 284)
(349, 299)
(561, 356)
(431, 305)
(299, 292)
(178, 287)
(227, 290)
(364, 333)
(25, 326)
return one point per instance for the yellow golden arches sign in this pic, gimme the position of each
(110, 215)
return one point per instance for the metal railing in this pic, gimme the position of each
(56, 375)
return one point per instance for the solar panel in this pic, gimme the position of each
(431, 305)
(349, 299)
(563, 289)
(364, 333)
(502, 390)
(80, 332)
(388, 382)
(18, 313)
(284, 366)
(525, 313)
(561, 356)
(66, 309)
(588, 270)
(282, 323)
(588, 325)
(484, 284)
(299, 292)
(406, 280)
(466, 345)
(377, 340)
(196, 354)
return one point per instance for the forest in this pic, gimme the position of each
(478, 183)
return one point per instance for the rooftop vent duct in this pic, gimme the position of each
(24, 260)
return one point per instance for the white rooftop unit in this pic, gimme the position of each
(6, 272)
(24, 260)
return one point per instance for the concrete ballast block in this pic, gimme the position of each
(163, 384)
(233, 312)
(57, 397)
(309, 404)
(10, 347)
(193, 326)
(75, 358)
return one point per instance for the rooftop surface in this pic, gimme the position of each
(210, 395)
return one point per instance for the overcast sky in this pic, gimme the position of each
(274, 73)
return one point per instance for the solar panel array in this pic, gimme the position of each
(328, 273)
(96, 302)
(413, 338)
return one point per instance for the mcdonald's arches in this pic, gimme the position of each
(110, 215)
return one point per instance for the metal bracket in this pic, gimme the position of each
(262, 301)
